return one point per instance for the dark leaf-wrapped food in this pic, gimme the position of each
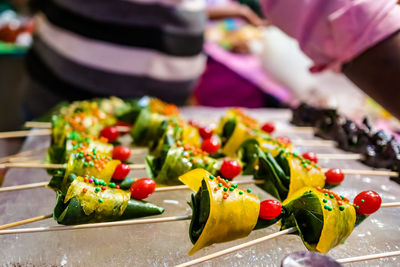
(88, 201)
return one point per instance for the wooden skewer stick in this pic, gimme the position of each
(16, 134)
(370, 257)
(94, 225)
(158, 189)
(54, 166)
(237, 248)
(344, 156)
(47, 125)
(313, 143)
(30, 220)
(26, 153)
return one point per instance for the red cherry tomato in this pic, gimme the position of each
(110, 133)
(125, 127)
(283, 140)
(210, 145)
(230, 168)
(268, 127)
(270, 209)
(121, 152)
(142, 188)
(334, 176)
(367, 202)
(121, 171)
(311, 156)
(206, 132)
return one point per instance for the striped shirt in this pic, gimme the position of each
(126, 48)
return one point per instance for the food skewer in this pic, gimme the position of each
(54, 166)
(370, 257)
(184, 187)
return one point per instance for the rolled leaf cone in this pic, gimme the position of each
(76, 166)
(248, 152)
(148, 128)
(286, 173)
(82, 203)
(216, 218)
(177, 162)
(323, 220)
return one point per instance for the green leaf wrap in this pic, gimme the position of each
(77, 207)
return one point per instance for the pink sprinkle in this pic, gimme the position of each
(90, 180)
(117, 186)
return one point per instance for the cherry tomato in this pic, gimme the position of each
(126, 127)
(142, 188)
(334, 176)
(270, 209)
(110, 132)
(206, 132)
(210, 145)
(268, 127)
(121, 171)
(311, 156)
(230, 168)
(121, 152)
(283, 140)
(367, 202)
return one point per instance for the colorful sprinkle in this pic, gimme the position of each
(211, 176)
(225, 189)
(90, 180)
(226, 195)
(362, 200)
(324, 200)
(248, 190)
(331, 196)
(240, 192)
(85, 164)
(326, 194)
(84, 190)
(231, 188)
(341, 208)
(97, 189)
(117, 186)
(100, 200)
(220, 184)
(103, 188)
(328, 207)
(112, 185)
(91, 164)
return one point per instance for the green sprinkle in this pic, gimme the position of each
(109, 158)
(234, 185)
(341, 208)
(324, 200)
(220, 184)
(362, 200)
(305, 165)
(231, 188)
(287, 154)
(226, 180)
(295, 155)
(331, 196)
(240, 192)
(85, 164)
(103, 183)
(100, 200)
(316, 165)
(357, 207)
(326, 194)
(327, 207)
(248, 190)
(308, 161)
(80, 155)
(75, 147)
(97, 189)
(94, 151)
(211, 176)
(94, 157)
(225, 189)
(191, 159)
(91, 164)
(342, 197)
(112, 185)
(96, 181)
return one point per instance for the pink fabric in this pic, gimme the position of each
(332, 32)
(250, 68)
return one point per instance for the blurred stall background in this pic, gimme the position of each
(249, 66)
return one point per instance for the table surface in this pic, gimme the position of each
(167, 244)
